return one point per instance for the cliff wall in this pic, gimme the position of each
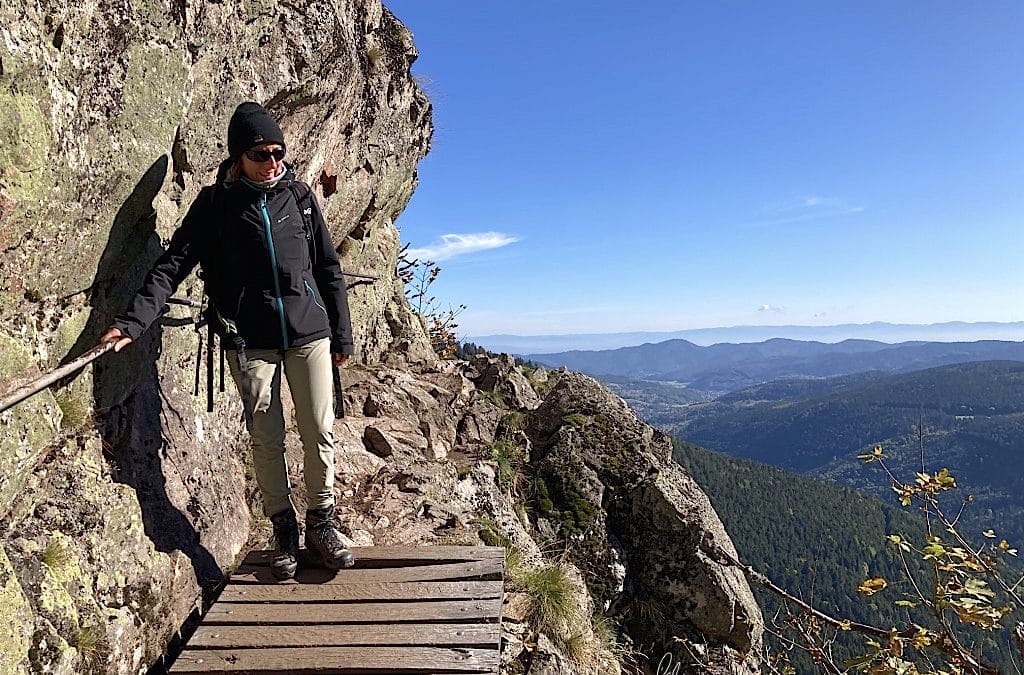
(121, 499)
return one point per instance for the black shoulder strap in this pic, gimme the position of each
(304, 199)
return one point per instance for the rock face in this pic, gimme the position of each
(121, 498)
(638, 526)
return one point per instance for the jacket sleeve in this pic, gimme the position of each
(331, 283)
(167, 273)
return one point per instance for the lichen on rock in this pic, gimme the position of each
(16, 620)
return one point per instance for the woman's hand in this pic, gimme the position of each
(117, 336)
(339, 359)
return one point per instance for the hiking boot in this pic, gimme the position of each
(323, 540)
(286, 552)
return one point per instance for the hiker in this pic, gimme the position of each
(279, 302)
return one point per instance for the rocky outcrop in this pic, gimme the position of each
(121, 498)
(591, 481)
(637, 524)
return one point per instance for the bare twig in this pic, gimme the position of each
(762, 580)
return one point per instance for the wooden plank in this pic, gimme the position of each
(376, 556)
(483, 569)
(414, 590)
(359, 612)
(338, 660)
(401, 609)
(482, 635)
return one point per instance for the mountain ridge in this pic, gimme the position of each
(949, 331)
(725, 367)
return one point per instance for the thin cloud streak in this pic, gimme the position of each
(454, 245)
(804, 217)
(805, 203)
(802, 210)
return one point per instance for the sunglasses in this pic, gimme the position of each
(260, 156)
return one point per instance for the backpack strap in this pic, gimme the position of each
(304, 199)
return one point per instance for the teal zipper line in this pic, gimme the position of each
(273, 265)
(313, 294)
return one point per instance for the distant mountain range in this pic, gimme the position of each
(721, 368)
(954, 331)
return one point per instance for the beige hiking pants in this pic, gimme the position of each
(308, 369)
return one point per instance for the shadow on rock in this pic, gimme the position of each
(130, 405)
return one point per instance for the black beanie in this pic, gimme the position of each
(250, 126)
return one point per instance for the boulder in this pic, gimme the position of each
(499, 376)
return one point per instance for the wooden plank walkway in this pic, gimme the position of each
(425, 609)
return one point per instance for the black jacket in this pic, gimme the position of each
(262, 274)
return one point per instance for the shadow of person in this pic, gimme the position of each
(127, 395)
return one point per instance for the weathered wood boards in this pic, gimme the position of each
(399, 610)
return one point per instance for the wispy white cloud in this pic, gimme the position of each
(805, 203)
(802, 209)
(454, 245)
(772, 308)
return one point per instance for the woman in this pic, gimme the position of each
(278, 296)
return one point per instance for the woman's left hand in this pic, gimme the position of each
(339, 359)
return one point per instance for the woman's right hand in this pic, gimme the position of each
(117, 336)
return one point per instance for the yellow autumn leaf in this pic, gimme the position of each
(921, 638)
(872, 585)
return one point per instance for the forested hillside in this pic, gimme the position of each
(817, 539)
(971, 417)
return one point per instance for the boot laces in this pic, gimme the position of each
(328, 535)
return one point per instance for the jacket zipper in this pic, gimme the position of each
(273, 265)
(313, 294)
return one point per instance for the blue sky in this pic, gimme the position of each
(608, 166)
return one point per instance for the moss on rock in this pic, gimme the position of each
(24, 142)
(26, 429)
(15, 620)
